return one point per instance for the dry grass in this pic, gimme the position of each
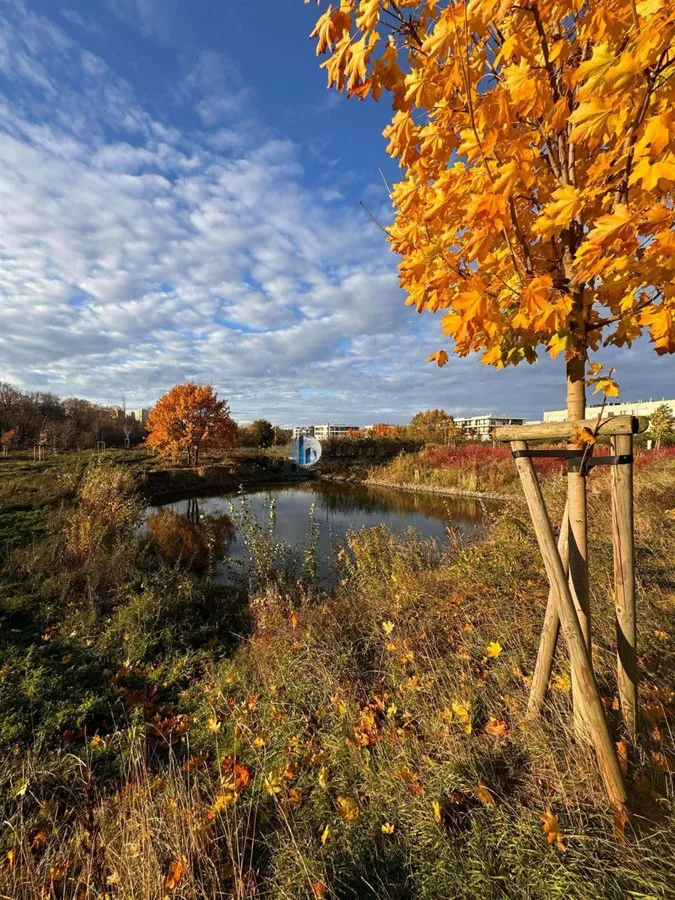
(381, 749)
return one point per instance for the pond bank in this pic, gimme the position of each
(160, 485)
(429, 489)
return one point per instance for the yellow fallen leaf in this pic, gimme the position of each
(484, 794)
(326, 833)
(387, 627)
(436, 806)
(348, 808)
(493, 649)
(387, 828)
(562, 683)
(462, 711)
(552, 830)
(223, 800)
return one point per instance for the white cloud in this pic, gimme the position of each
(153, 17)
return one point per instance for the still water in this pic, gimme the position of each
(338, 509)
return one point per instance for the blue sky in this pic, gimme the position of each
(179, 199)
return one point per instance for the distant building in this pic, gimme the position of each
(481, 426)
(303, 429)
(324, 432)
(638, 408)
(141, 415)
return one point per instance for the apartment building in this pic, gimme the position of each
(481, 426)
(141, 415)
(324, 432)
(636, 408)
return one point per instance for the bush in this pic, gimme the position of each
(369, 448)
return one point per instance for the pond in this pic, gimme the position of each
(179, 527)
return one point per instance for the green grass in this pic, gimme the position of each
(380, 751)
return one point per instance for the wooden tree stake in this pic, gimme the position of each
(588, 694)
(549, 634)
(624, 581)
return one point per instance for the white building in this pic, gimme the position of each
(302, 429)
(141, 415)
(324, 432)
(481, 426)
(638, 408)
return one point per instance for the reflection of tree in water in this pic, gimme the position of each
(334, 498)
(187, 537)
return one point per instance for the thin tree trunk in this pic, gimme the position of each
(578, 528)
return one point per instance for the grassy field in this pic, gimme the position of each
(162, 735)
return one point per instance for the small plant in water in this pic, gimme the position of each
(274, 564)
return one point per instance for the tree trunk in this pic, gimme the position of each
(578, 528)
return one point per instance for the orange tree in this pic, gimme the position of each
(535, 206)
(188, 418)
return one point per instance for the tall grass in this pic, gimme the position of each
(367, 743)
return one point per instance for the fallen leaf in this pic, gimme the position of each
(552, 830)
(348, 808)
(484, 794)
(387, 828)
(319, 888)
(462, 711)
(242, 778)
(496, 727)
(326, 833)
(40, 838)
(174, 875)
(494, 648)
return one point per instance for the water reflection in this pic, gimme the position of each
(181, 529)
(187, 536)
(336, 498)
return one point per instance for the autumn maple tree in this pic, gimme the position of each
(536, 141)
(535, 209)
(187, 419)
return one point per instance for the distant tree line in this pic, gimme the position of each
(29, 418)
(36, 417)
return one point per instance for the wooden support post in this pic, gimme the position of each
(560, 431)
(624, 581)
(589, 696)
(549, 634)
